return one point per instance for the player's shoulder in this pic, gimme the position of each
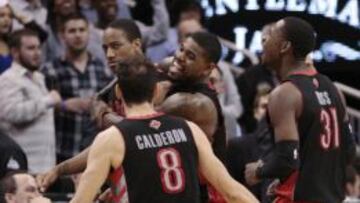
(192, 125)
(108, 136)
(193, 100)
(285, 89)
(285, 96)
(111, 144)
(189, 97)
(112, 130)
(196, 131)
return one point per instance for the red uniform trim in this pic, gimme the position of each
(285, 191)
(153, 115)
(115, 178)
(308, 72)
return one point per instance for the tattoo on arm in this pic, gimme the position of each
(197, 108)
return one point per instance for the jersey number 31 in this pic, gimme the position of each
(330, 133)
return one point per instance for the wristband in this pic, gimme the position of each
(63, 106)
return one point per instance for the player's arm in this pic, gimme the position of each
(196, 107)
(76, 164)
(216, 173)
(107, 151)
(285, 106)
(162, 88)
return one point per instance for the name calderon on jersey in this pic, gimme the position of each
(160, 139)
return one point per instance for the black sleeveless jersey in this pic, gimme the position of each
(321, 176)
(160, 163)
(219, 143)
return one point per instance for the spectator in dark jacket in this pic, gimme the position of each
(12, 156)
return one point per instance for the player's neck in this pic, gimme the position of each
(137, 110)
(289, 67)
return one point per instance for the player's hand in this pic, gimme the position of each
(105, 196)
(40, 199)
(271, 188)
(46, 179)
(97, 111)
(250, 172)
(97, 107)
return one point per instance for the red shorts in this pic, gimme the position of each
(285, 191)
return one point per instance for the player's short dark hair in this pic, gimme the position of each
(16, 37)
(74, 16)
(301, 35)
(129, 27)
(209, 43)
(137, 80)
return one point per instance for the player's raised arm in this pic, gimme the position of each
(216, 173)
(106, 151)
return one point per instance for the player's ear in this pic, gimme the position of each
(137, 43)
(118, 93)
(210, 68)
(285, 46)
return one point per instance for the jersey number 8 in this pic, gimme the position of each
(172, 175)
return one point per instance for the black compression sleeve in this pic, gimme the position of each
(283, 161)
